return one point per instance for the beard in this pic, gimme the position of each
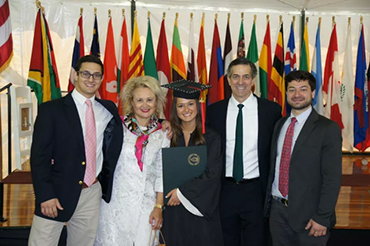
(304, 105)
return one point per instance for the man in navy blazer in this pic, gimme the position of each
(241, 201)
(58, 160)
(301, 199)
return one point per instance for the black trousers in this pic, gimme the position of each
(241, 212)
(283, 235)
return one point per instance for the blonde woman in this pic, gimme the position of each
(137, 195)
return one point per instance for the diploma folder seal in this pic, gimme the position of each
(181, 164)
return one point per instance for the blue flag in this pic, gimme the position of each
(361, 113)
(316, 71)
(290, 61)
(95, 47)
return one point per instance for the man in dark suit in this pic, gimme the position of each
(245, 123)
(67, 147)
(306, 169)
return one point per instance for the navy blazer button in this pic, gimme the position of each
(83, 163)
(80, 182)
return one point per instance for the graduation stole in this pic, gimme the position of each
(142, 136)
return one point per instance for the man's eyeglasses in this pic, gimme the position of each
(87, 75)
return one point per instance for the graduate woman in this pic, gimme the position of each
(191, 216)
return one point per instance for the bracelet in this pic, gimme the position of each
(158, 206)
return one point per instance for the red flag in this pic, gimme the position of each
(216, 70)
(163, 67)
(265, 62)
(136, 67)
(108, 88)
(331, 86)
(123, 62)
(78, 51)
(201, 61)
(6, 40)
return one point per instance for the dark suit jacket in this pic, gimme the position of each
(58, 136)
(268, 113)
(314, 174)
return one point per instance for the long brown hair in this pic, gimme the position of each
(177, 129)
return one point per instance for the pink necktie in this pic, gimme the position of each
(285, 159)
(90, 145)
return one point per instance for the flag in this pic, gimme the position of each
(265, 62)
(304, 61)
(361, 110)
(216, 70)
(95, 45)
(316, 71)
(276, 91)
(202, 62)
(227, 58)
(241, 42)
(150, 67)
(123, 62)
(6, 39)
(192, 71)
(164, 69)
(177, 59)
(43, 75)
(347, 94)
(252, 55)
(290, 60)
(108, 87)
(331, 86)
(78, 51)
(136, 67)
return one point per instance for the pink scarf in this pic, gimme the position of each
(142, 136)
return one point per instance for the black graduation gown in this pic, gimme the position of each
(180, 227)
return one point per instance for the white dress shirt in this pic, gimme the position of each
(301, 119)
(102, 118)
(250, 136)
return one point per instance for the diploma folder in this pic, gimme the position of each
(181, 164)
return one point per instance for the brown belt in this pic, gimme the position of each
(85, 185)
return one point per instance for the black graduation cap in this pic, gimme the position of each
(186, 89)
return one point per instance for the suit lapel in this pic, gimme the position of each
(223, 115)
(74, 118)
(306, 131)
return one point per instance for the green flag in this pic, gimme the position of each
(150, 66)
(304, 59)
(252, 55)
(241, 46)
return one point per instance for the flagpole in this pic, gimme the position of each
(164, 16)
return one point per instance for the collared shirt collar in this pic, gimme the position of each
(248, 103)
(81, 99)
(302, 117)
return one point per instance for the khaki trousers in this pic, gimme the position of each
(81, 228)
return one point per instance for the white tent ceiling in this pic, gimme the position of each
(358, 6)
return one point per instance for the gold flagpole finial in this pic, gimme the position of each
(333, 20)
(123, 12)
(203, 15)
(191, 16)
(95, 11)
(267, 17)
(228, 17)
(135, 13)
(148, 14)
(81, 11)
(349, 20)
(281, 19)
(109, 13)
(216, 16)
(164, 15)
(177, 16)
(242, 16)
(38, 4)
(361, 19)
(307, 20)
(254, 19)
(320, 22)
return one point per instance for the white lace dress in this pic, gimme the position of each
(124, 221)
